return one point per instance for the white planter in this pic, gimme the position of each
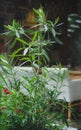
(70, 128)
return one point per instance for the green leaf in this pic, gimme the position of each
(3, 78)
(5, 70)
(26, 59)
(53, 32)
(35, 36)
(25, 51)
(13, 43)
(13, 55)
(56, 21)
(58, 40)
(36, 11)
(45, 28)
(22, 31)
(3, 59)
(13, 23)
(7, 27)
(22, 41)
(44, 53)
(17, 34)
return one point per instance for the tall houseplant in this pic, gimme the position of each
(38, 106)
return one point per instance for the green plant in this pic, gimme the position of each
(38, 107)
(34, 41)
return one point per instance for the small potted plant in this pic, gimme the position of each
(28, 100)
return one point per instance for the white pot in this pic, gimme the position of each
(70, 128)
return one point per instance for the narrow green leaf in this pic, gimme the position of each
(17, 34)
(36, 11)
(3, 78)
(56, 21)
(45, 55)
(58, 40)
(13, 43)
(53, 32)
(25, 51)
(35, 36)
(26, 59)
(16, 52)
(22, 41)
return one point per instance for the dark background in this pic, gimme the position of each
(69, 52)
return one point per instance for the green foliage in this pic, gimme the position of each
(28, 101)
(38, 106)
(34, 40)
(14, 30)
